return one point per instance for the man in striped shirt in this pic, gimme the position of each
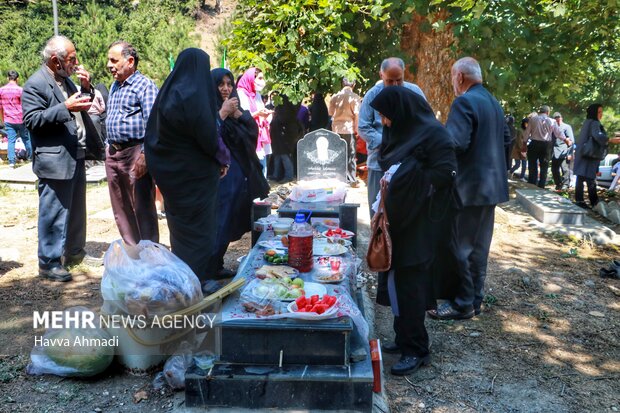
(132, 190)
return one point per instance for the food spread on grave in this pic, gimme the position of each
(314, 304)
(276, 271)
(338, 233)
(279, 288)
(274, 257)
(328, 278)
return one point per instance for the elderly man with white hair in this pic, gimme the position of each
(63, 136)
(481, 136)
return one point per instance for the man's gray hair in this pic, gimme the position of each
(469, 67)
(392, 61)
(56, 45)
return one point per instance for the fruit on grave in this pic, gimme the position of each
(314, 305)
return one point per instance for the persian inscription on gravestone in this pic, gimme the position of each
(322, 154)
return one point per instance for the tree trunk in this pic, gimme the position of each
(432, 58)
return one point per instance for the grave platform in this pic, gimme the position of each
(285, 363)
(550, 208)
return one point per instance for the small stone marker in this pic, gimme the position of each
(322, 154)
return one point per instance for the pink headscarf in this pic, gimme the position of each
(246, 83)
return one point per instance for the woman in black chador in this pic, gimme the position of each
(417, 206)
(245, 180)
(186, 158)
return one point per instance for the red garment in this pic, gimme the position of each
(360, 146)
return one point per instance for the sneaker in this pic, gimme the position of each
(12, 165)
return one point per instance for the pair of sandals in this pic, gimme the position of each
(613, 271)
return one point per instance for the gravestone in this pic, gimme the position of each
(322, 154)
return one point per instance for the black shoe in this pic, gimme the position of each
(390, 347)
(446, 311)
(55, 274)
(609, 273)
(408, 364)
(477, 310)
(210, 286)
(225, 273)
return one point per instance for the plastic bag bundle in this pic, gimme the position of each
(73, 352)
(147, 279)
(174, 370)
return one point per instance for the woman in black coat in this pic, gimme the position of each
(244, 181)
(186, 158)
(285, 130)
(586, 168)
(417, 206)
(319, 116)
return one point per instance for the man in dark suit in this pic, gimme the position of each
(62, 135)
(481, 136)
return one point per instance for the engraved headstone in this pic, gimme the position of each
(322, 154)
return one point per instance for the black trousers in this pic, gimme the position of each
(538, 152)
(591, 184)
(413, 291)
(62, 217)
(559, 170)
(471, 240)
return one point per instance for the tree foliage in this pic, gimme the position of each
(303, 45)
(156, 28)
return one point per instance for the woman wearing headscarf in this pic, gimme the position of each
(586, 168)
(244, 181)
(186, 158)
(519, 150)
(319, 116)
(286, 130)
(249, 86)
(417, 206)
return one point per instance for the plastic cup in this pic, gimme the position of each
(334, 264)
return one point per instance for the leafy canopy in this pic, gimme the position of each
(302, 45)
(156, 28)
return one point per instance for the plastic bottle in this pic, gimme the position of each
(300, 244)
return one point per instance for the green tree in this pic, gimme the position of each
(303, 45)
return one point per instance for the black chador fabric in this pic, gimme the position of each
(180, 147)
(245, 180)
(285, 128)
(420, 192)
(319, 115)
(240, 136)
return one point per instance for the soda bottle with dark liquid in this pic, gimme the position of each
(300, 244)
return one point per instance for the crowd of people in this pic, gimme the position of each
(542, 140)
(209, 141)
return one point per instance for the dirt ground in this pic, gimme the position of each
(547, 340)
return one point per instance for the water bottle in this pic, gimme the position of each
(300, 244)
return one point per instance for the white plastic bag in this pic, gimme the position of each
(147, 279)
(73, 352)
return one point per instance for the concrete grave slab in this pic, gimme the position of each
(550, 208)
(24, 175)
